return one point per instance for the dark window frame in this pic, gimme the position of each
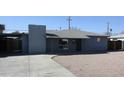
(63, 44)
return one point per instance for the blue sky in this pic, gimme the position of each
(88, 23)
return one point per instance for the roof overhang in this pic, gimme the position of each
(10, 35)
(118, 37)
(66, 37)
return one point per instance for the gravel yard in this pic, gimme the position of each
(94, 65)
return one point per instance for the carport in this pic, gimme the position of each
(116, 42)
(115, 45)
(10, 43)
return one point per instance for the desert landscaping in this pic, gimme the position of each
(94, 65)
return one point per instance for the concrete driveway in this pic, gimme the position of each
(31, 66)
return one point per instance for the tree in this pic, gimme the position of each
(16, 32)
(75, 28)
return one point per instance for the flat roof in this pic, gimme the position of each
(121, 36)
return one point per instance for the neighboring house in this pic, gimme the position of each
(38, 40)
(119, 39)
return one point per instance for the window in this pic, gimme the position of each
(73, 41)
(63, 44)
(98, 39)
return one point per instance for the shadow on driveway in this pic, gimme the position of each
(60, 54)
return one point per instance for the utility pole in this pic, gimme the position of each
(108, 28)
(60, 28)
(69, 22)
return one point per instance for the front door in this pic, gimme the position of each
(78, 45)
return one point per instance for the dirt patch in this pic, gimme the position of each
(107, 64)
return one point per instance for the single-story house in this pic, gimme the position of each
(75, 40)
(40, 40)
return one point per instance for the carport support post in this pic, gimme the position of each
(122, 45)
(114, 45)
(24, 43)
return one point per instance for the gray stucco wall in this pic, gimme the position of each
(72, 46)
(24, 43)
(83, 45)
(37, 39)
(92, 44)
(87, 45)
(51, 45)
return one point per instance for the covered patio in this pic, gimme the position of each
(10, 43)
